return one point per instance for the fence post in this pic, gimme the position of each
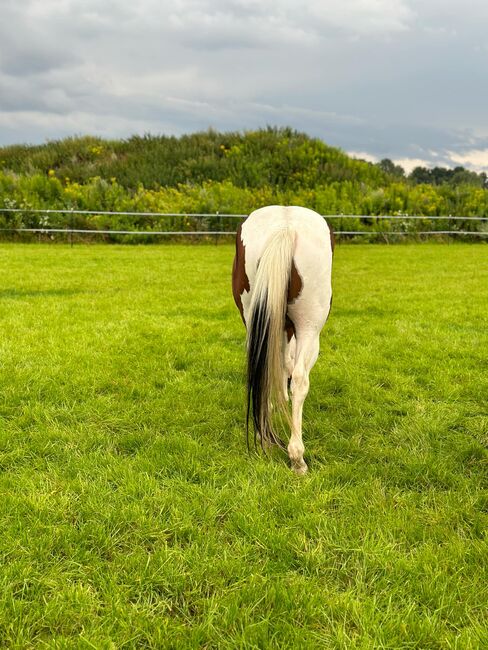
(218, 225)
(71, 227)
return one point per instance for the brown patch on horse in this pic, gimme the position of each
(295, 287)
(240, 281)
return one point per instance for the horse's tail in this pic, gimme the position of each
(265, 335)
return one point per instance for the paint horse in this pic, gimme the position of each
(281, 282)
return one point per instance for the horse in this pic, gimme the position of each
(281, 283)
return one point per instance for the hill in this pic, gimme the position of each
(277, 157)
(224, 172)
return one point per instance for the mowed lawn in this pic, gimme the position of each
(131, 514)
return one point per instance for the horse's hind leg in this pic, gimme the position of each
(307, 351)
(289, 349)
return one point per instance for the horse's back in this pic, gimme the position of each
(262, 223)
(312, 257)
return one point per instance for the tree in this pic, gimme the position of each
(389, 167)
(420, 175)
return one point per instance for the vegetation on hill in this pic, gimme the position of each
(279, 158)
(224, 172)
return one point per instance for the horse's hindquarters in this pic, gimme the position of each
(303, 284)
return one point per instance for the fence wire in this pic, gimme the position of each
(68, 229)
(225, 215)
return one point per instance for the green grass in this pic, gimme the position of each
(131, 515)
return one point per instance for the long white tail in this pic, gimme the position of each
(265, 335)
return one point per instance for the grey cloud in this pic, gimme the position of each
(34, 60)
(395, 78)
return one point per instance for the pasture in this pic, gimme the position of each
(131, 515)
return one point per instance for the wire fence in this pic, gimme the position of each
(16, 220)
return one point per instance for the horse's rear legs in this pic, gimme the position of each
(289, 351)
(306, 355)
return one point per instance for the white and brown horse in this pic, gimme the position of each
(281, 283)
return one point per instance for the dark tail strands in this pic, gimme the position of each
(257, 357)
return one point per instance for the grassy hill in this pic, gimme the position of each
(277, 157)
(225, 172)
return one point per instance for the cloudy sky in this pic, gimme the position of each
(404, 79)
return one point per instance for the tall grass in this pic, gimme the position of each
(131, 514)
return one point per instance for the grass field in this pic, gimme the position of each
(131, 515)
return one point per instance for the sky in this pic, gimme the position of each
(399, 79)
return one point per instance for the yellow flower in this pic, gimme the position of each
(51, 173)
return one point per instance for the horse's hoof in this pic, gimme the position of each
(300, 468)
